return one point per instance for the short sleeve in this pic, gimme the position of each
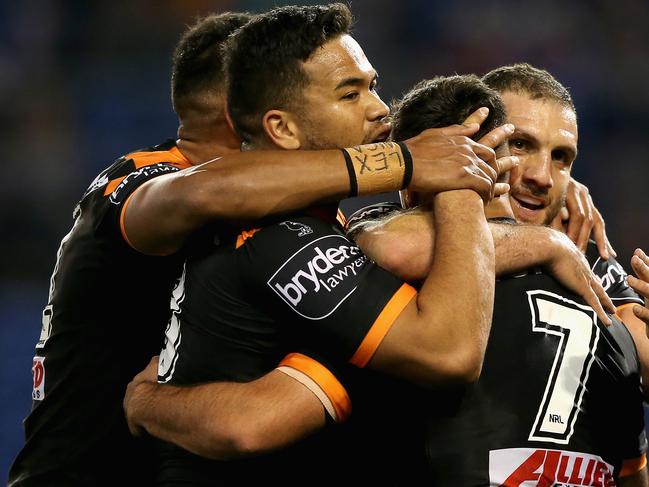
(325, 291)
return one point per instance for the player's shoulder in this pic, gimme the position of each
(295, 232)
(612, 276)
(297, 242)
(597, 262)
(142, 159)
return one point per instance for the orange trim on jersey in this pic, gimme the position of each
(382, 324)
(631, 466)
(622, 307)
(122, 215)
(325, 379)
(172, 156)
(340, 216)
(245, 235)
(110, 187)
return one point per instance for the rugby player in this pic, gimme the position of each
(114, 271)
(203, 318)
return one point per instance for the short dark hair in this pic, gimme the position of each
(526, 79)
(197, 63)
(444, 101)
(264, 60)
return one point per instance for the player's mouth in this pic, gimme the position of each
(383, 134)
(527, 207)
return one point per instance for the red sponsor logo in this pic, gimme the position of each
(38, 375)
(523, 467)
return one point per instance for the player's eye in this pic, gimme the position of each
(562, 157)
(352, 95)
(519, 144)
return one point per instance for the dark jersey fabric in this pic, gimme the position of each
(558, 401)
(105, 319)
(244, 304)
(581, 379)
(483, 433)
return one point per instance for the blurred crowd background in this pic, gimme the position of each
(84, 82)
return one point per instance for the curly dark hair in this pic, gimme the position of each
(444, 101)
(264, 60)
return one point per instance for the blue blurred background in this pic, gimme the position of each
(84, 82)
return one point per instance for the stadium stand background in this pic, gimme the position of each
(83, 82)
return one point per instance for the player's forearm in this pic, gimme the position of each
(441, 337)
(183, 415)
(404, 245)
(519, 247)
(461, 282)
(225, 420)
(244, 186)
(401, 244)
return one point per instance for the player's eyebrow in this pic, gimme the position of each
(355, 81)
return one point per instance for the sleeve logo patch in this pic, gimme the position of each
(298, 227)
(373, 212)
(318, 278)
(610, 274)
(146, 172)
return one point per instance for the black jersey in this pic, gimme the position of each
(484, 430)
(558, 401)
(241, 306)
(107, 309)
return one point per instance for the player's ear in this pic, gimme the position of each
(282, 129)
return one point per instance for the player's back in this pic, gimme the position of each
(558, 401)
(105, 318)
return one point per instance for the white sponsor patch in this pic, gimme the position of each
(527, 467)
(316, 279)
(46, 327)
(38, 378)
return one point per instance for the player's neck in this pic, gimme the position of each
(201, 144)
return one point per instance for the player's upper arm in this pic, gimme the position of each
(638, 331)
(152, 220)
(634, 473)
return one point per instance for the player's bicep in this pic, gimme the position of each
(321, 382)
(140, 209)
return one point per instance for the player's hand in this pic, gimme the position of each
(492, 140)
(132, 397)
(569, 266)
(447, 158)
(640, 265)
(581, 218)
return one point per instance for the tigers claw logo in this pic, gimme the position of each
(300, 228)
